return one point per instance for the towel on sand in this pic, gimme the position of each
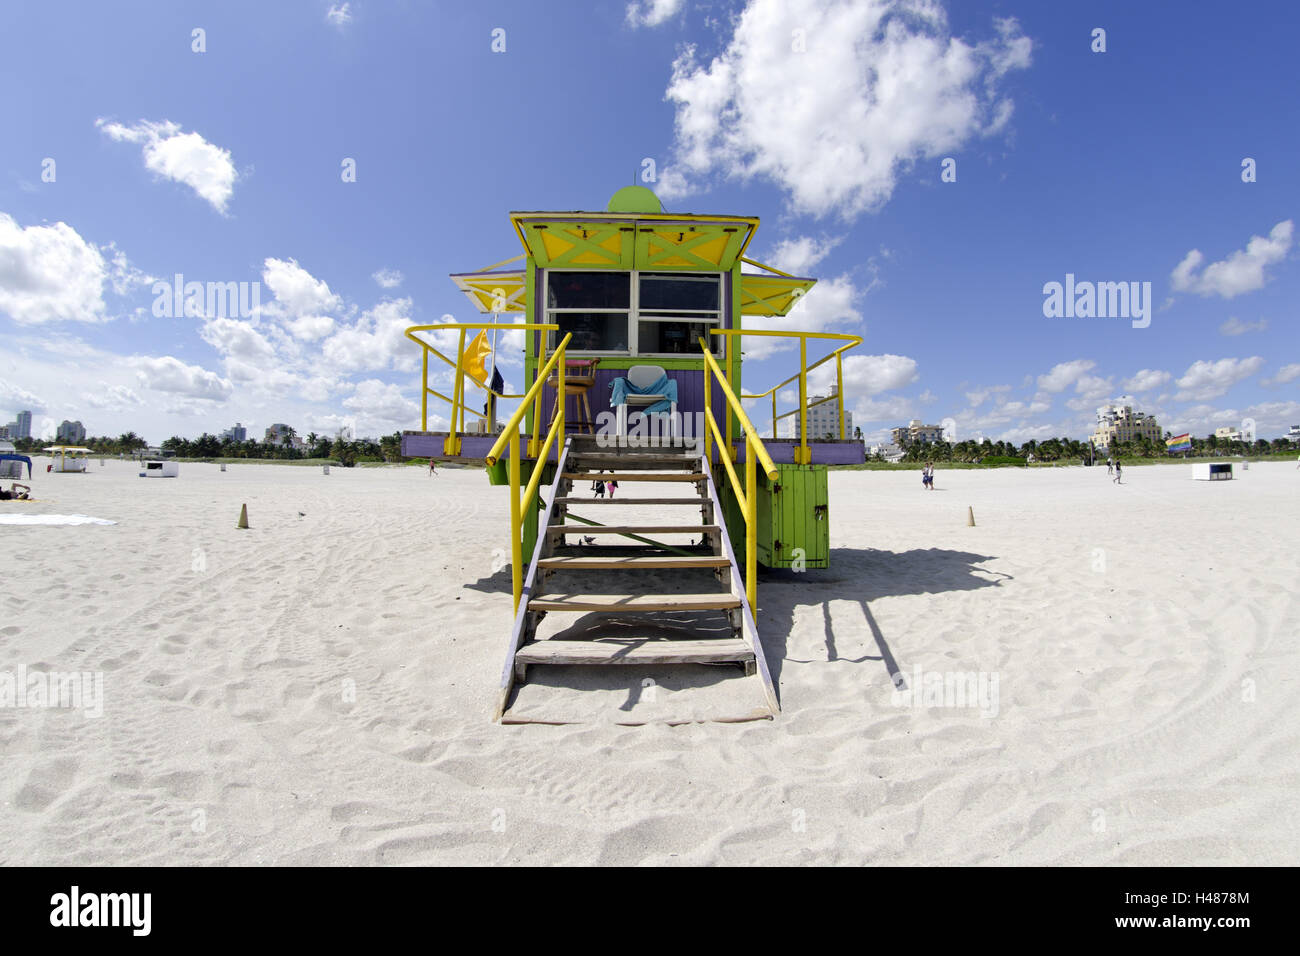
(52, 519)
(664, 386)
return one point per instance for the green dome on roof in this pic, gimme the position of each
(634, 199)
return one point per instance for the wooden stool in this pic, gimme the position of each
(576, 386)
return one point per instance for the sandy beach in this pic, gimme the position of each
(318, 689)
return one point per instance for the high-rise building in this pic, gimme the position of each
(277, 434)
(915, 433)
(238, 433)
(21, 427)
(71, 432)
(824, 419)
(1117, 422)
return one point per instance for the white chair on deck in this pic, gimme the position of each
(643, 376)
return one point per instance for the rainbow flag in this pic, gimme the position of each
(1179, 443)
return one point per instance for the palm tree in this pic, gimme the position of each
(312, 438)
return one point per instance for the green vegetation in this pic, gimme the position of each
(318, 450)
(1067, 451)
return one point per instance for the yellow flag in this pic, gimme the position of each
(474, 362)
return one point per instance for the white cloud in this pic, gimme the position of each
(1146, 380)
(377, 340)
(18, 398)
(1205, 380)
(894, 409)
(1241, 272)
(339, 15)
(185, 158)
(1234, 326)
(388, 278)
(311, 327)
(169, 374)
(49, 273)
(125, 276)
(238, 339)
(1271, 418)
(1065, 374)
(381, 405)
(1024, 408)
(114, 397)
(828, 306)
(866, 374)
(300, 299)
(981, 395)
(800, 254)
(1287, 373)
(651, 13)
(296, 289)
(876, 86)
(1093, 387)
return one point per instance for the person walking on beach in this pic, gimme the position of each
(611, 485)
(1119, 473)
(432, 470)
(927, 476)
(598, 487)
(1110, 465)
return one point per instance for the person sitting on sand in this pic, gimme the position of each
(13, 494)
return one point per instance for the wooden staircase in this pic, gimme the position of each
(644, 601)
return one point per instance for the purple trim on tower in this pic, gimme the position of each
(429, 445)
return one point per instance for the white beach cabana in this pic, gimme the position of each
(68, 458)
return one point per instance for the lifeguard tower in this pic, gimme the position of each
(658, 301)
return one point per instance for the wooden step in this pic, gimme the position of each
(649, 563)
(585, 529)
(633, 476)
(632, 651)
(613, 461)
(697, 501)
(633, 603)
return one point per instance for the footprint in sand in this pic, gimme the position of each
(46, 784)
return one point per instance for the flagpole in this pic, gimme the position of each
(492, 374)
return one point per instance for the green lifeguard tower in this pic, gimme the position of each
(633, 355)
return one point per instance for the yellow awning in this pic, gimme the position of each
(771, 295)
(642, 241)
(493, 291)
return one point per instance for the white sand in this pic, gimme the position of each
(1143, 639)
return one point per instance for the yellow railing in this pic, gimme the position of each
(451, 446)
(802, 454)
(519, 506)
(755, 453)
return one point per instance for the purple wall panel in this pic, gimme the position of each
(690, 394)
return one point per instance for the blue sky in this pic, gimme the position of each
(829, 120)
